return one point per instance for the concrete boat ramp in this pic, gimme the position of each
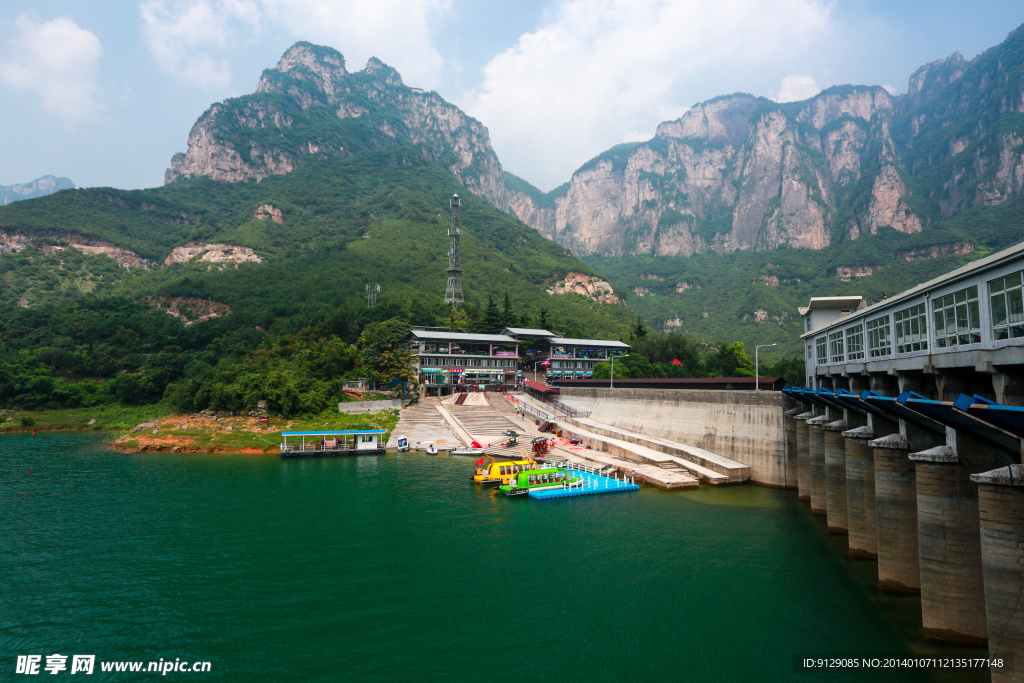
(710, 467)
(657, 461)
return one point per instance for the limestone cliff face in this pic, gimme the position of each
(310, 106)
(54, 240)
(745, 173)
(736, 173)
(586, 285)
(220, 254)
(190, 310)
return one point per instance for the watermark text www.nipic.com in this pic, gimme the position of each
(87, 664)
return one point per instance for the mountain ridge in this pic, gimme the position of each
(744, 173)
(40, 187)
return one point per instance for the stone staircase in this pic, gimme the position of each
(422, 423)
(483, 423)
(698, 460)
(639, 448)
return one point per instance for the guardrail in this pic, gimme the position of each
(567, 410)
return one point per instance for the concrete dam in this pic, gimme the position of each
(939, 509)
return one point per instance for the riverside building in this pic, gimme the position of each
(444, 359)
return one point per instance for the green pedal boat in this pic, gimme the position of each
(539, 480)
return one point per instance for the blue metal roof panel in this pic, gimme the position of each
(1010, 418)
(898, 410)
(850, 401)
(946, 413)
(830, 399)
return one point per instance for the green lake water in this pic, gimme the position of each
(396, 567)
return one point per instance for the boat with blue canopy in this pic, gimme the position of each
(329, 443)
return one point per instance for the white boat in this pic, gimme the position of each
(403, 444)
(475, 452)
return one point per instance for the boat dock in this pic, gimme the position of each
(594, 483)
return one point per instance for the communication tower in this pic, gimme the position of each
(453, 295)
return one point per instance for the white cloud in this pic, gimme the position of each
(796, 88)
(59, 61)
(192, 38)
(597, 71)
(180, 36)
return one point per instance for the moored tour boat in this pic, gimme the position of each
(500, 472)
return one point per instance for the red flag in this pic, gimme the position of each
(675, 361)
(480, 462)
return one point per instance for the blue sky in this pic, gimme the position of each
(105, 93)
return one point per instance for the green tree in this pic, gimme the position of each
(638, 332)
(384, 350)
(492, 320)
(457, 320)
(733, 361)
(508, 316)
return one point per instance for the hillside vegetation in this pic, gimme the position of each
(375, 218)
(753, 296)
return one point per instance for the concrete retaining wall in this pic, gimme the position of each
(791, 452)
(803, 455)
(366, 407)
(746, 426)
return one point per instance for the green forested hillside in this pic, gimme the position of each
(375, 218)
(81, 330)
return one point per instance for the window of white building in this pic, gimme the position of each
(835, 345)
(879, 337)
(1007, 307)
(911, 329)
(855, 343)
(957, 318)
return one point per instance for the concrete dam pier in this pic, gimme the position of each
(933, 490)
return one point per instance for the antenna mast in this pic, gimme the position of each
(453, 295)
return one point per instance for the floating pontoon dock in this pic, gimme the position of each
(593, 483)
(345, 442)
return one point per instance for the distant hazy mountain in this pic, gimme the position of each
(39, 187)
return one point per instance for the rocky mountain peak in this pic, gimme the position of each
(856, 102)
(309, 106)
(321, 66)
(382, 73)
(723, 119)
(932, 77)
(39, 187)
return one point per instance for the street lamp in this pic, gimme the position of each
(611, 382)
(757, 368)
